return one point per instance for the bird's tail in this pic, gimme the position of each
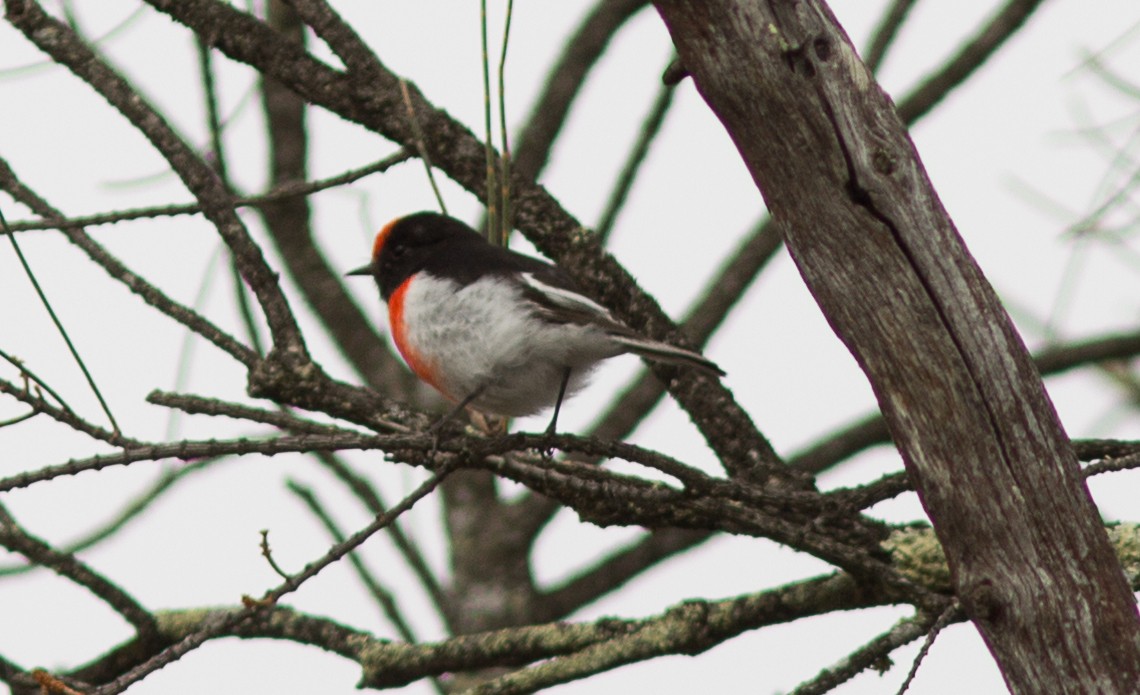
(663, 352)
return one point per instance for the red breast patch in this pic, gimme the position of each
(421, 365)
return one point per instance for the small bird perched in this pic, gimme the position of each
(489, 328)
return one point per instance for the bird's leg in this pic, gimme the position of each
(550, 429)
(435, 429)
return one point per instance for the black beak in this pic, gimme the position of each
(366, 270)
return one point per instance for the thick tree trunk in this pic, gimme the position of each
(1032, 565)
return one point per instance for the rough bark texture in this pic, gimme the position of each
(965, 404)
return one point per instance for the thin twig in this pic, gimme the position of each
(226, 622)
(494, 223)
(117, 270)
(198, 405)
(504, 140)
(59, 326)
(193, 450)
(29, 375)
(17, 419)
(15, 538)
(1112, 456)
(267, 553)
(1112, 465)
(874, 654)
(67, 49)
(421, 143)
(885, 33)
(582, 51)
(50, 685)
(650, 127)
(383, 597)
(970, 56)
(871, 430)
(374, 503)
(66, 416)
(952, 613)
(218, 156)
(423, 450)
(282, 192)
(130, 511)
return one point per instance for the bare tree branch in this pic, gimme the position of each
(691, 627)
(874, 654)
(288, 222)
(872, 429)
(611, 573)
(284, 191)
(363, 490)
(218, 625)
(197, 405)
(650, 127)
(58, 41)
(886, 31)
(65, 415)
(149, 293)
(130, 511)
(583, 49)
(15, 538)
(970, 56)
(383, 597)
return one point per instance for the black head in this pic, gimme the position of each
(404, 245)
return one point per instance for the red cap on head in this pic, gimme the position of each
(382, 236)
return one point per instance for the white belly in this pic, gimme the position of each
(477, 338)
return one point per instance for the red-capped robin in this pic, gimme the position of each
(489, 328)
